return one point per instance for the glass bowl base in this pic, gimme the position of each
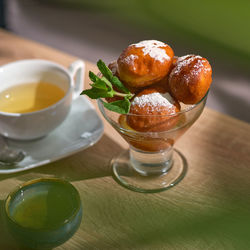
(126, 176)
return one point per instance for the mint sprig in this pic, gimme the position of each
(120, 106)
(102, 87)
(109, 75)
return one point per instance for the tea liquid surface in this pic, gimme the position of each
(30, 97)
(44, 209)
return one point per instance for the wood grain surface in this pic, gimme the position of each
(209, 209)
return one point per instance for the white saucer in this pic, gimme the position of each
(81, 129)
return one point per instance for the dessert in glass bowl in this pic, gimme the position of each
(151, 97)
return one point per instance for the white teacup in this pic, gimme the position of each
(34, 125)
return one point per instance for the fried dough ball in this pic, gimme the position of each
(190, 79)
(146, 142)
(151, 110)
(144, 63)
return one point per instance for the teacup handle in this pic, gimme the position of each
(77, 71)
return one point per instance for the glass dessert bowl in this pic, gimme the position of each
(152, 164)
(151, 97)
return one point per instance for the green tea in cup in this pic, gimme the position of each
(36, 96)
(30, 97)
(43, 213)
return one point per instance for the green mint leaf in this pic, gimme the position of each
(107, 82)
(109, 75)
(102, 87)
(100, 84)
(93, 77)
(120, 106)
(95, 93)
(116, 82)
(106, 72)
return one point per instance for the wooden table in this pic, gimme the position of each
(209, 209)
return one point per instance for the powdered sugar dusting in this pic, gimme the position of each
(130, 60)
(155, 100)
(181, 58)
(183, 62)
(146, 43)
(154, 49)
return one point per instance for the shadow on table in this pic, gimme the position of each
(148, 222)
(128, 220)
(216, 210)
(214, 215)
(93, 162)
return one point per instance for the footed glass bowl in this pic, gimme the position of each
(43, 213)
(152, 164)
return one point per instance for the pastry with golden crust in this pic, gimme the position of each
(153, 109)
(144, 63)
(190, 79)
